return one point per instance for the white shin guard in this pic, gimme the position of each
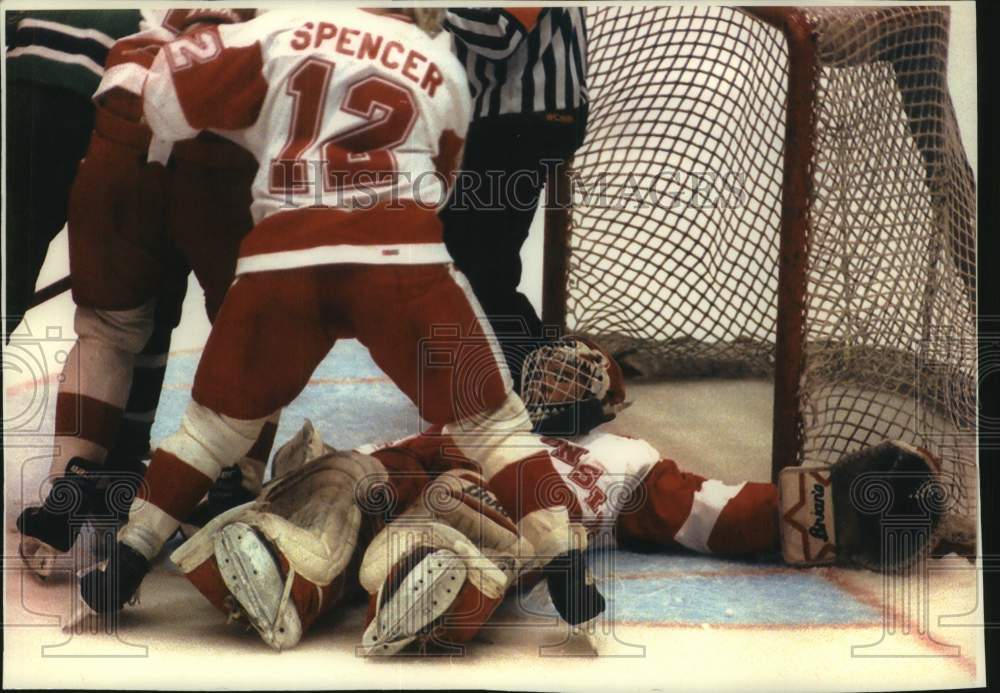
(284, 559)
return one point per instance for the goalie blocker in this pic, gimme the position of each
(877, 508)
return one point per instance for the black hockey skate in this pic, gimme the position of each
(106, 590)
(86, 493)
(227, 493)
(50, 530)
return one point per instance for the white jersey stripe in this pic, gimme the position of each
(399, 254)
(92, 34)
(484, 324)
(58, 56)
(706, 507)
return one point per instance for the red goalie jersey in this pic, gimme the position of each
(364, 116)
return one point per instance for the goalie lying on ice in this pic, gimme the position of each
(449, 553)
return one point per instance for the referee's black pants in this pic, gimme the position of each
(490, 211)
(48, 130)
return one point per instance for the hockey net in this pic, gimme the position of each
(781, 192)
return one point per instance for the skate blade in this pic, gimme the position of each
(422, 597)
(252, 577)
(83, 619)
(40, 558)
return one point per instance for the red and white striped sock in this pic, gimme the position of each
(95, 382)
(182, 470)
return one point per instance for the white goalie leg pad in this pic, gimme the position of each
(281, 556)
(454, 546)
(417, 572)
(499, 439)
(304, 446)
(406, 608)
(312, 515)
(398, 540)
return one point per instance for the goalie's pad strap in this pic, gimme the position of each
(808, 532)
(402, 537)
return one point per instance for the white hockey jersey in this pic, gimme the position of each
(602, 470)
(597, 472)
(344, 109)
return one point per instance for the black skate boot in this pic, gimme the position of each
(571, 588)
(50, 530)
(226, 493)
(117, 488)
(108, 589)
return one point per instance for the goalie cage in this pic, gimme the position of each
(781, 192)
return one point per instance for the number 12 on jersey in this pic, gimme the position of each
(360, 156)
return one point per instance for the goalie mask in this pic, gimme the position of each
(573, 374)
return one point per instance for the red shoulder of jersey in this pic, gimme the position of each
(526, 16)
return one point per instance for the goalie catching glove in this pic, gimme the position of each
(437, 573)
(877, 508)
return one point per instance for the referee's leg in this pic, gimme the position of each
(489, 216)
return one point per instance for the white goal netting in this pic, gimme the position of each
(677, 226)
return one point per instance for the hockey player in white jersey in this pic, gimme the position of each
(356, 118)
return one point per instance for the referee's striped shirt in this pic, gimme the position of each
(521, 60)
